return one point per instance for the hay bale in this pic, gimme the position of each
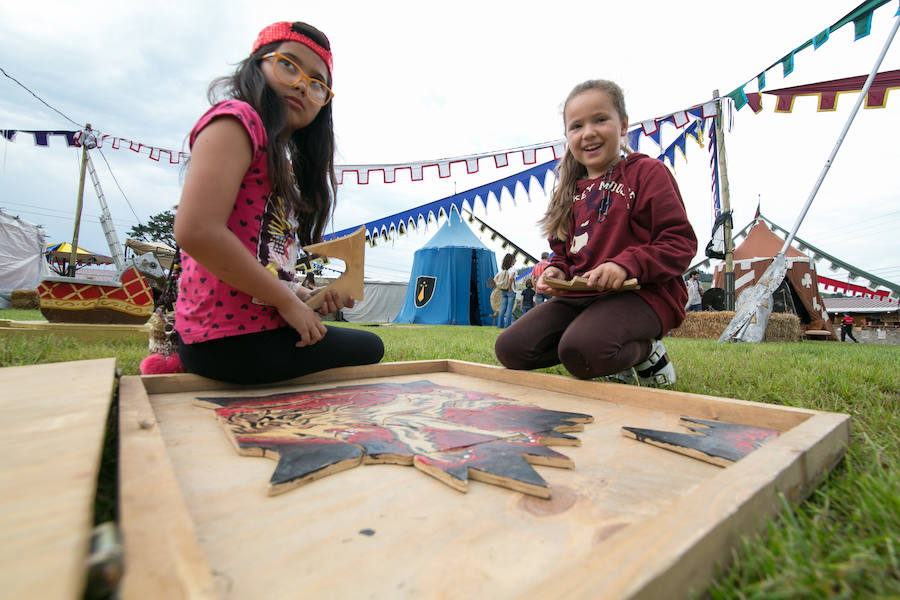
(25, 300)
(783, 327)
(707, 325)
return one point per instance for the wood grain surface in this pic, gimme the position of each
(51, 432)
(630, 520)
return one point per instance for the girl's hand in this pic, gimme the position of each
(608, 276)
(542, 288)
(304, 321)
(333, 301)
(305, 293)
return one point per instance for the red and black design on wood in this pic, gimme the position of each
(447, 432)
(715, 442)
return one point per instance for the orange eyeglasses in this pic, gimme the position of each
(289, 73)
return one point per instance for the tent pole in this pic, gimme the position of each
(73, 258)
(726, 204)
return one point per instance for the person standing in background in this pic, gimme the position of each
(847, 328)
(505, 281)
(536, 274)
(695, 292)
(528, 296)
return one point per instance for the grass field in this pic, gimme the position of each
(843, 542)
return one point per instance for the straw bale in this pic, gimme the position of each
(25, 300)
(783, 327)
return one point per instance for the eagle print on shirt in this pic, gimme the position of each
(276, 248)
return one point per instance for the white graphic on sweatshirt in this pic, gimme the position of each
(579, 242)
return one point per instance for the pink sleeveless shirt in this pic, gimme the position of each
(208, 308)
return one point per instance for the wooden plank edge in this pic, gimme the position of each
(187, 382)
(675, 553)
(39, 324)
(79, 331)
(163, 558)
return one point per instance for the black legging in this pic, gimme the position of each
(591, 337)
(270, 356)
(847, 329)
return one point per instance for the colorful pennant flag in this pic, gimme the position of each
(827, 92)
(861, 17)
(852, 289)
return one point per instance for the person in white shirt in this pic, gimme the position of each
(695, 292)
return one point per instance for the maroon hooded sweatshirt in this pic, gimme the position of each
(633, 216)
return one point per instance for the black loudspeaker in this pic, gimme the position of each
(713, 299)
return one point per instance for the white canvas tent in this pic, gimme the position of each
(22, 264)
(383, 300)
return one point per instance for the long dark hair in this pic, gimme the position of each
(306, 157)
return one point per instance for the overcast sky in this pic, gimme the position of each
(417, 81)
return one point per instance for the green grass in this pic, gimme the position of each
(842, 542)
(14, 314)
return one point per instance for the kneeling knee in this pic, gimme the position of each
(511, 355)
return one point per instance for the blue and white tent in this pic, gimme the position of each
(447, 285)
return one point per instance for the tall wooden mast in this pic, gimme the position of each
(73, 257)
(726, 204)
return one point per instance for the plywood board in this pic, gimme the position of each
(630, 520)
(86, 332)
(52, 427)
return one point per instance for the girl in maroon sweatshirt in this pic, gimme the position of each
(614, 215)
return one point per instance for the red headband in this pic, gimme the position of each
(283, 32)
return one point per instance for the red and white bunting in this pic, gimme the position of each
(388, 172)
(416, 169)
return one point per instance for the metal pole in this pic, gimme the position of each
(73, 257)
(726, 205)
(106, 222)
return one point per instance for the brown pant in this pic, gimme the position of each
(591, 337)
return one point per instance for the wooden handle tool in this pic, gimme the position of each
(580, 284)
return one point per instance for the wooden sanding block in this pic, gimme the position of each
(580, 284)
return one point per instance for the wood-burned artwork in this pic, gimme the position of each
(714, 442)
(450, 433)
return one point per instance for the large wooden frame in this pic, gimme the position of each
(631, 520)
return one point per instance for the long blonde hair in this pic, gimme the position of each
(555, 222)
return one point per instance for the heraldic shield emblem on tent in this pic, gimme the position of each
(424, 290)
